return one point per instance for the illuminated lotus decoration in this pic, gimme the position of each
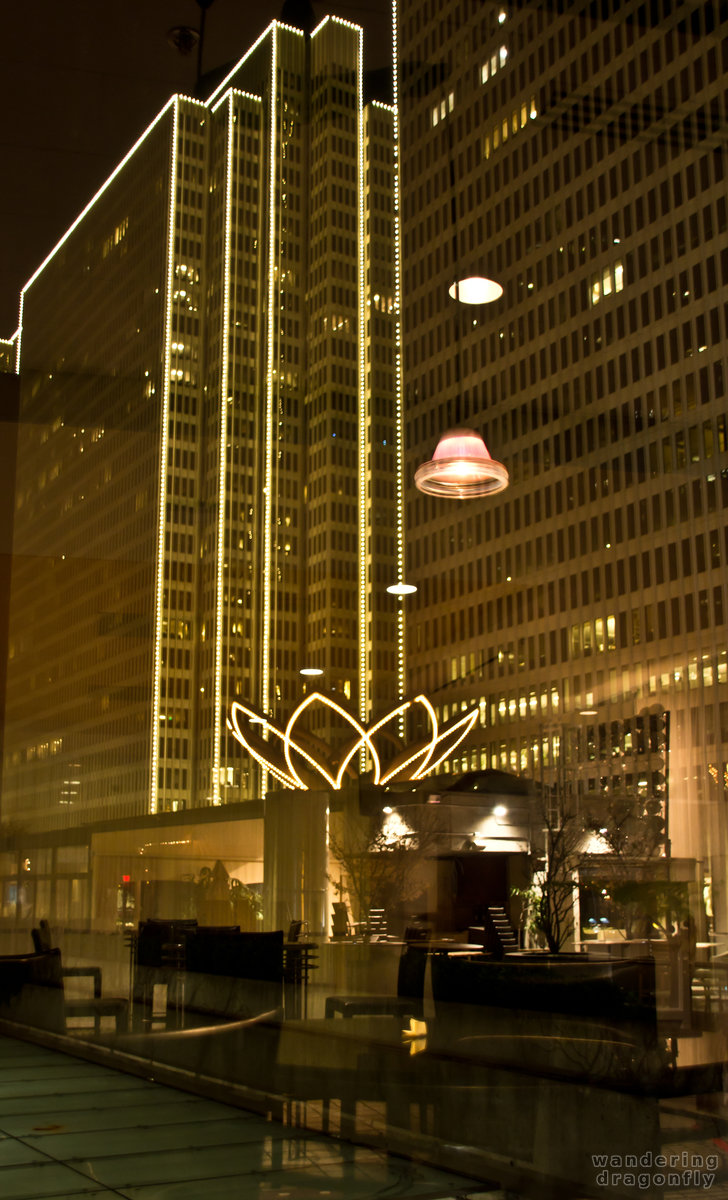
(299, 760)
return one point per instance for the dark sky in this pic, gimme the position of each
(80, 80)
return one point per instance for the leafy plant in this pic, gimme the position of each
(378, 869)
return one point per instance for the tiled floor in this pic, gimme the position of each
(72, 1129)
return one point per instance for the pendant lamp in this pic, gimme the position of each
(475, 289)
(461, 468)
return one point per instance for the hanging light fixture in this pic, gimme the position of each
(401, 589)
(475, 289)
(461, 468)
(310, 671)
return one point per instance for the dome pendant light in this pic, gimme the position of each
(461, 468)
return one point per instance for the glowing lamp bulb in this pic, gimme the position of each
(475, 289)
(462, 468)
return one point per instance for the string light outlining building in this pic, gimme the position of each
(210, 444)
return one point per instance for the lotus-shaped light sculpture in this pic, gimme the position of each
(299, 760)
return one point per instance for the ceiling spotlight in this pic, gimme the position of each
(401, 589)
(475, 289)
(461, 468)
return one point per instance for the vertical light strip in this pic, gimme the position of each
(399, 412)
(269, 391)
(163, 447)
(19, 332)
(222, 457)
(364, 599)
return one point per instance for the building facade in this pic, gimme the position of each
(576, 156)
(209, 442)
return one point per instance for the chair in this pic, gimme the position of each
(572, 1019)
(158, 956)
(96, 1006)
(31, 990)
(210, 971)
(410, 990)
(231, 974)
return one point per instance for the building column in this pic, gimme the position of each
(295, 859)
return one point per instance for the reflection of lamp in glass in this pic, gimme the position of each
(310, 671)
(461, 467)
(401, 589)
(475, 289)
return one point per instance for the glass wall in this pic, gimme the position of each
(486, 919)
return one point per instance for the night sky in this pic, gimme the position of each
(80, 80)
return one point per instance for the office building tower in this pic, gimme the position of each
(576, 156)
(209, 445)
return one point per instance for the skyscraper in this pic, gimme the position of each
(576, 156)
(209, 443)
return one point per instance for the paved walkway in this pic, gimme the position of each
(70, 1129)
